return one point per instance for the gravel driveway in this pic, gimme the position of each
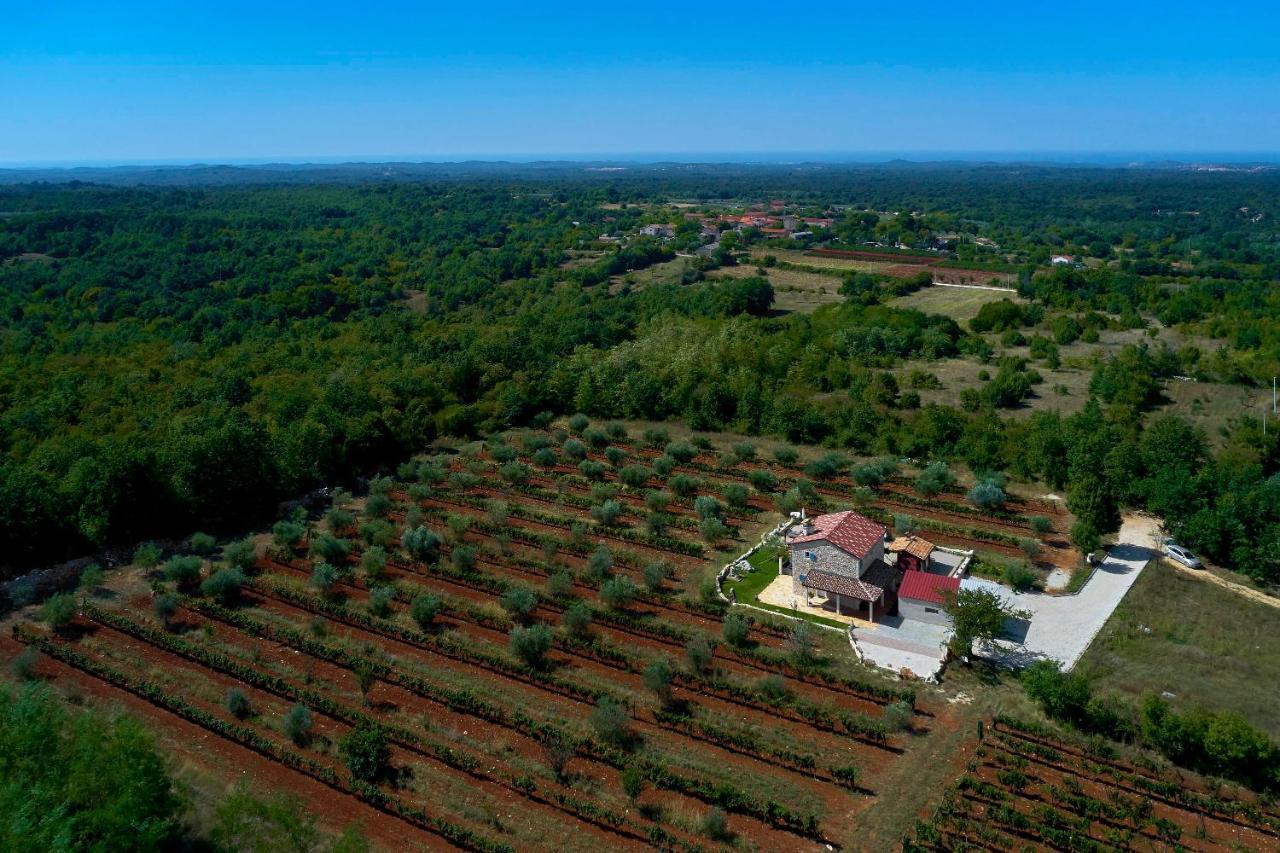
(1063, 626)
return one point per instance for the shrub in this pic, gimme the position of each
(147, 555)
(762, 480)
(240, 554)
(380, 485)
(682, 485)
(657, 501)
(617, 592)
(380, 598)
(519, 602)
(377, 532)
(424, 609)
(287, 534)
(697, 653)
(421, 543)
(324, 577)
(1018, 576)
(654, 574)
(869, 474)
(772, 686)
(656, 523)
(786, 455)
(633, 782)
(92, 577)
(331, 549)
(600, 564)
(681, 451)
(735, 495)
(184, 571)
(515, 472)
(366, 752)
(578, 423)
(934, 479)
(903, 524)
(826, 467)
(801, 640)
(164, 606)
(560, 584)
(663, 466)
(597, 438)
(24, 664)
(712, 529)
(531, 643)
(658, 676)
(297, 723)
(607, 513)
(545, 457)
(708, 507)
(736, 628)
(463, 557)
(59, 611)
(377, 506)
(655, 437)
(202, 544)
(897, 716)
(224, 585)
(576, 620)
(611, 722)
(237, 703)
(502, 453)
(373, 562)
(987, 494)
(634, 476)
(615, 456)
(1085, 536)
(574, 449)
(1040, 525)
(715, 825)
(1030, 547)
(616, 431)
(744, 451)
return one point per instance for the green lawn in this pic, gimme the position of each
(765, 562)
(1210, 647)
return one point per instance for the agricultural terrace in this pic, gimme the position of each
(1026, 788)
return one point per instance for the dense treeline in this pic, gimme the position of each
(185, 358)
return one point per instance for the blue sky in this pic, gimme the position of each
(231, 81)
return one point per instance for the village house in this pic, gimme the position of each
(837, 561)
(662, 231)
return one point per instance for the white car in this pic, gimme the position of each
(1182, 555)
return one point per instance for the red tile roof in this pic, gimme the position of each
(925, 586)
(847, 530)
(869, 587)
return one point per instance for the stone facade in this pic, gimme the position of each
(829, 559)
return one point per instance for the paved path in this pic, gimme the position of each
(1063, 626)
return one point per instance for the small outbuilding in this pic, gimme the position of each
(914, 553)
(923, 594)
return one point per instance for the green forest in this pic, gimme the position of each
(186, 357)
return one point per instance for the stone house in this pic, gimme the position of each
(838, 558)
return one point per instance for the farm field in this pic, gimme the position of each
(794, 290)
(959, 303)
(527, 686)
(1024, 788)
(1209, 646)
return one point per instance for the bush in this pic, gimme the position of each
(578, 423)
(801, 640)
(663, 466)
(762, 480)
(531, 643)
(576, 620)
(515, 472)
(934, 479)
(237, 703)
(617, 592)
(366, 752)
(715, 825)
(611, 722)
(697, 653)
(297, 723)
(377, 506)
(324, 577)
(331, 549)
(421, 543)
(380, 598)
(1041, 525)
(545, 457)
(616, 431)
(1085, 536)
(633, 782)
(735, 495)
(736, 628)
(826, 467)
(712, 529)
(987, 494)
(338, 520)
(240, 554)
(607, 513)
(600, 564)
(772, 686)
(1018, 576)
(903, 524)
(597, 438)
(184, 571)
(681, 451)
(287, 534)
(59, 611)
(377, 532)
(164, 606)
(91, 578)
(657, 501)
(560, 584)
(373, 562)
(224, 585)
(1030, 547)
(615, 456)
(24, 664)
(682, 485)
(574, 449)
(634, 476)
(708, 507)
(786, 455)
(744, 451)
(463, 558)
(424, 609)
(519, 602)
(202, 544)
(502, 453)
(147, 555)
(656, 523)
(655, 437)
(654, 574)
(869, 474)
(658, 676)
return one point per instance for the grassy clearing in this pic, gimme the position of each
(1205, 644)
(746, 590)
(794, 290)
(959, 303)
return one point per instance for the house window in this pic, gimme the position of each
(931, 610)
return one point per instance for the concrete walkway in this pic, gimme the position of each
(1063, 626)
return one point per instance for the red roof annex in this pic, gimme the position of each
(847, 530)
(924, 586)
